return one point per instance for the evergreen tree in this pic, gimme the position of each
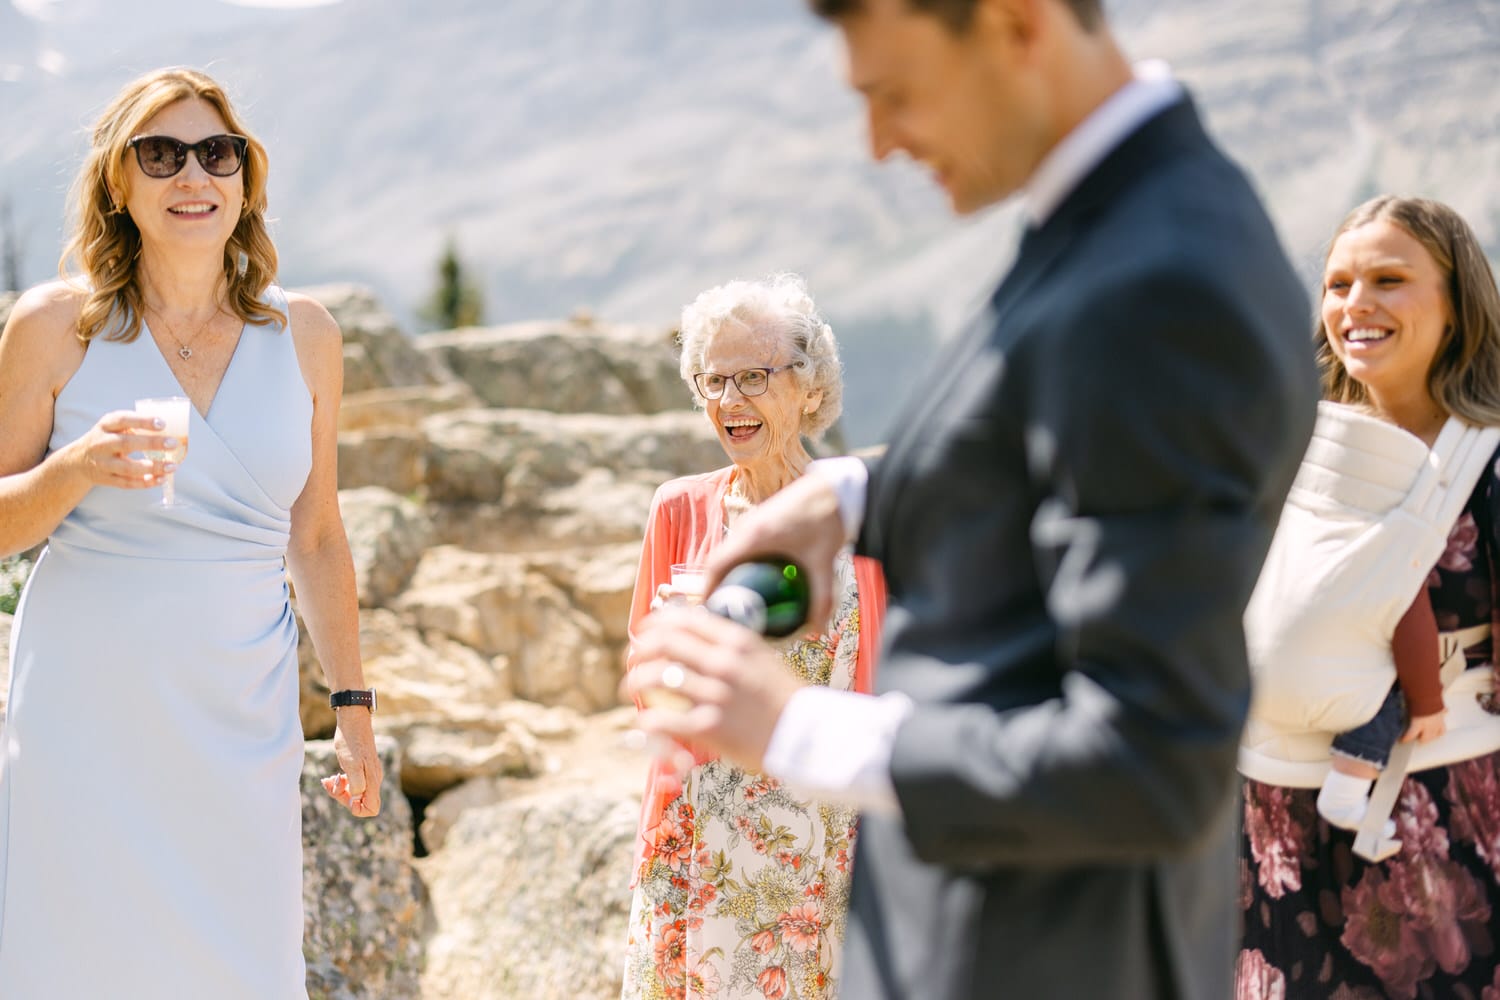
(456, 301)
(10, 249)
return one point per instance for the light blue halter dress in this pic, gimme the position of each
(150, 823)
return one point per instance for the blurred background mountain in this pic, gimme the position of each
(619, 156)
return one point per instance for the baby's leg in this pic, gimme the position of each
(1358, 758)
(1355, 768)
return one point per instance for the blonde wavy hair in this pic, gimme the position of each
(778, 303)
(1465, 375)
(104, 245)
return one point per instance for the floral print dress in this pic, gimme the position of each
(1320, 922)
(745, 891)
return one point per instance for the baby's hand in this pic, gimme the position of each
(1425, 727)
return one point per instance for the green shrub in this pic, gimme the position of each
(13, 573)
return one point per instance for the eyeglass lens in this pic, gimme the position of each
(163, 156)
(751, 382)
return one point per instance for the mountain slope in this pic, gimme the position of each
(623, 154)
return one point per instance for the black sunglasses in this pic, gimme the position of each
(164, 156)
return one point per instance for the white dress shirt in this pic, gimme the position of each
(837, 745)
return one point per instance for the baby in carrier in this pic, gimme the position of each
(1360, 754)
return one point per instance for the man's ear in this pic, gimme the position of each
(1014, 20)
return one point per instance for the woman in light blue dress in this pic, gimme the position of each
(150, 843)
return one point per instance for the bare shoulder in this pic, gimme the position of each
(319, 346)
(42, 331)
(311, 321)
(46, 310)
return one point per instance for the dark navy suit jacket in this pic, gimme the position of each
(1071, 516)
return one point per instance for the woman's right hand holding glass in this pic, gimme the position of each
(103, 454)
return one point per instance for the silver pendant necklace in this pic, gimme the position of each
(183, 350)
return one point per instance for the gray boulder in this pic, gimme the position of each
(387, 535)
(531, 898)
(364, 906)
(376, 353)
(402, 406)
(567, 367)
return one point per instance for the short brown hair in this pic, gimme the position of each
(955, 13)
(1465, 374)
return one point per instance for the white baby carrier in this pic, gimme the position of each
(1367, 518)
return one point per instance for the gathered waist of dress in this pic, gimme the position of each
(239, 552)
(236, 602)
(269, 556)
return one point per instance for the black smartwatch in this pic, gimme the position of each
(353, 696)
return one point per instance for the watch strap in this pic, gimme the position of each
(351, 697)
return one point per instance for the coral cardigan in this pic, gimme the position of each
(685, 524)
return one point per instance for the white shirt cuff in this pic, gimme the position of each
(850, 478)
(836, 746)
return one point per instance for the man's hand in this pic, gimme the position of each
(735, 684)
(800, 522)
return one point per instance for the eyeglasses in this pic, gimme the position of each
(164, 156)
(750, 381)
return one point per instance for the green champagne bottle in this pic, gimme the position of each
(769, 596)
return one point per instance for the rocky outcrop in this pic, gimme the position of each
(393, 458)
(571, 367)
(584, 753)
(525, 480)
(518, 457)
(402, 406)
(426, 674)
(387, 535)
(530, 899)
(503, 607)
(377, 355)
(364, 906)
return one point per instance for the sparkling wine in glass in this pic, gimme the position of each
(687, 585)
(174, 412)
(688, 580)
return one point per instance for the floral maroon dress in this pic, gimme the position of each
(1320, 922)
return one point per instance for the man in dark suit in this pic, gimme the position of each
(1071, 514)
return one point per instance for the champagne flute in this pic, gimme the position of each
(687, 582)
(175, 413)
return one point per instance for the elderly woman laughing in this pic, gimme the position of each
(741, 887)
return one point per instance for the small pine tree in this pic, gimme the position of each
(456, 301)
(10, 249)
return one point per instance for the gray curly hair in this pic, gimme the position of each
(780, 303)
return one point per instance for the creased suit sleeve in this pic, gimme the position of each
(1160, 432)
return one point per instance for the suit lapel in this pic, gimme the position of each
(1037, 251)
